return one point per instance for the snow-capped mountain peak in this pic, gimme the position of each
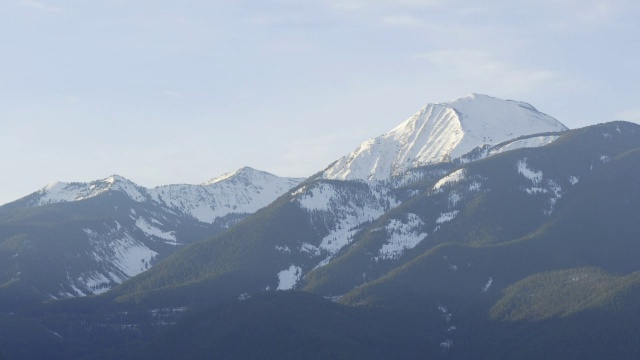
(75, 191)
(242, 191)
(243, 174)
(442, 132)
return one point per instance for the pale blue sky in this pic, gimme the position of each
(166, 92)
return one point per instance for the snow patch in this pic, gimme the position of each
(446, 345)
(132, 256)
(557, 194)
(536, 190)
(149, 230)
(78, 291)
(402, 236)
(454, 199)
(488, 284)
(288, 278)
(454, 177)
(299, 191)
(90, 232)
(341, 235)
(534, 176)
(475, 186)
(309, 249)
(573, 180)
(317, 198)
(532, 142)
(448, 216)
(96, 282)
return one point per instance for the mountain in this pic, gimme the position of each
(307, 229)
(527, 247)
(442, 132)
(76, 239)
(496, 258)
(315, 227)
(519, 248)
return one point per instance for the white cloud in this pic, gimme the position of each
(348, 4)
(72, 99)
(277, 18)
(40, 6)
(578, 14)
(482, 69)
(399, 4)
(419, 3)
(173, 94)
(402, 20)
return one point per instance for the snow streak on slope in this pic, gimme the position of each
(448, 216)
(150, 230)
(455, 176)
(440, 133)
(117, 255)
(531, 142)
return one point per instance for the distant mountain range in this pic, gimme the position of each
(77, 239)
(478, 228)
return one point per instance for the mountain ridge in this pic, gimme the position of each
(200, 200)
(92, 236)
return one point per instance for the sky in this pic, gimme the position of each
(165, 92)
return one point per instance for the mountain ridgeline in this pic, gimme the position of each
(77, 239)
(478, 228)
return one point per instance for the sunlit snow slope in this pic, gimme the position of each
(442, 132)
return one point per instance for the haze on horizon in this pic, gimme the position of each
(163, 92)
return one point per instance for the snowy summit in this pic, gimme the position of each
(242, 191)
(75, 191)
(442, 132)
